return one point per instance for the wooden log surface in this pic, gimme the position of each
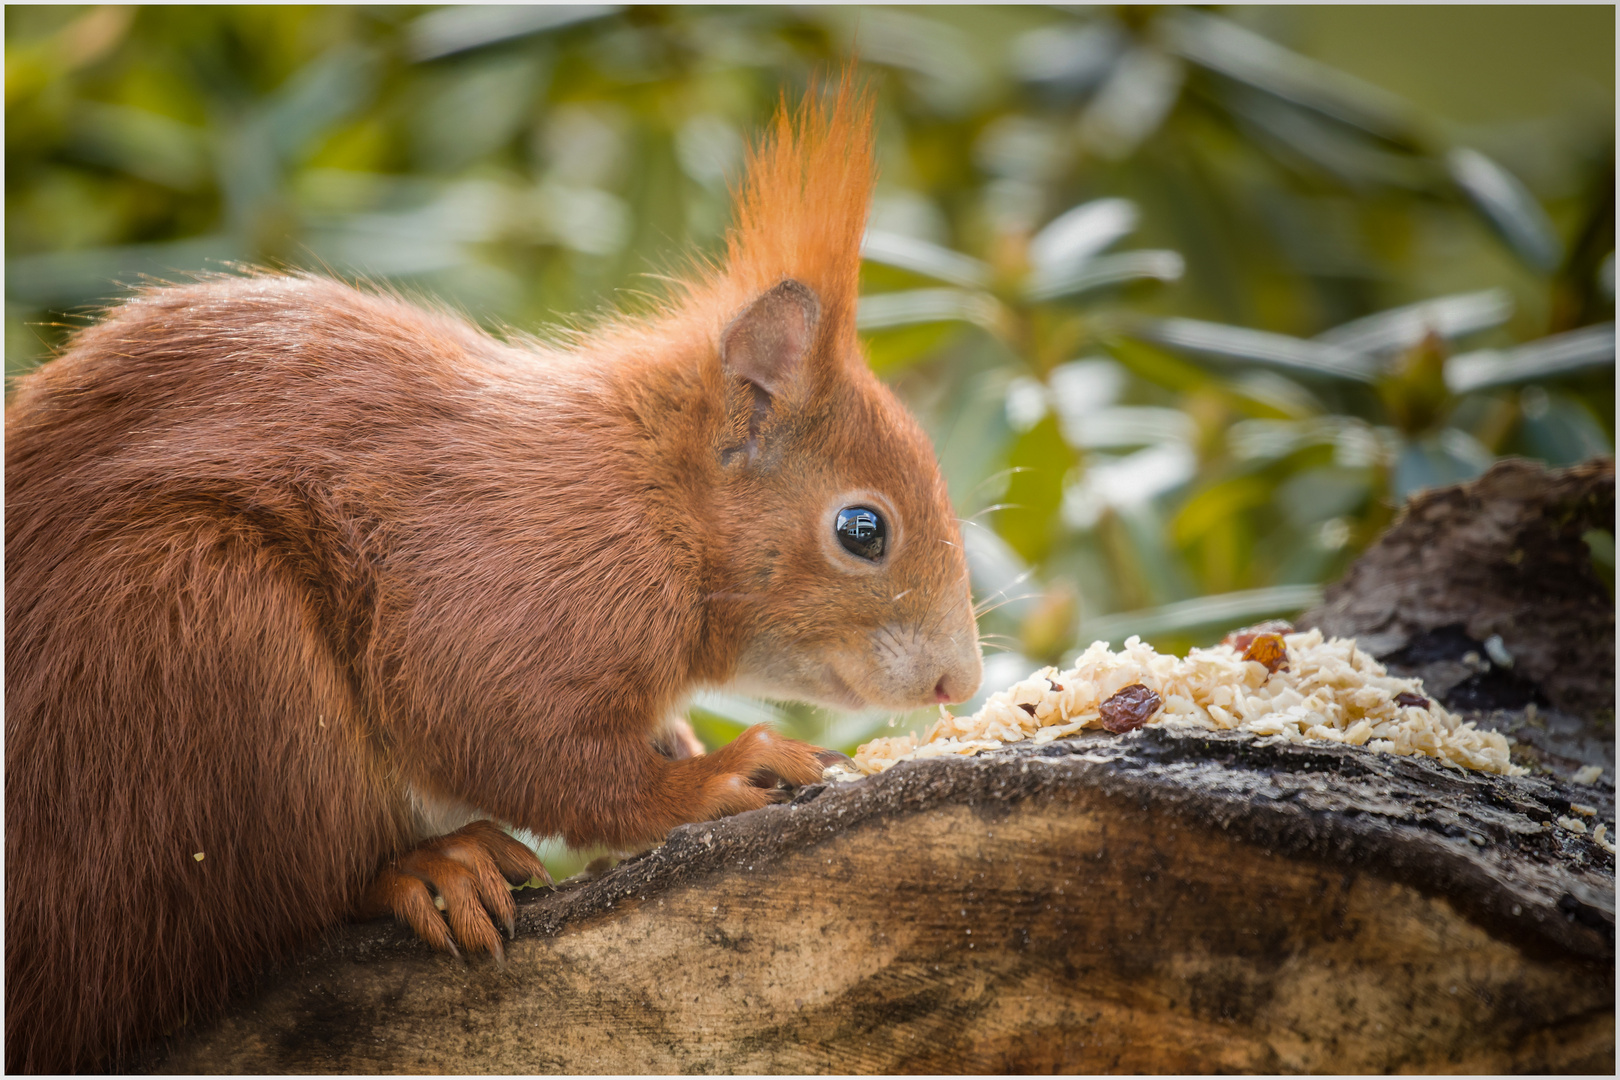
(1146, 902)
(1501, 556)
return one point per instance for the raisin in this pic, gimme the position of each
(1028, 708)
(1406, 697)
(1129, 709)
(1242, 639)
(1268, 649)
(1058, 687)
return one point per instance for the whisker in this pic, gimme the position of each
(987, 610)
(901, 595)
(1019, 580)
(992, 509)
(999, 475)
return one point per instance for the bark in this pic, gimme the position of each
(1146, 902)
(1501, 556)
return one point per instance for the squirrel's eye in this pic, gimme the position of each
(862, 532)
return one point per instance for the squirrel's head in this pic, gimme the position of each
(840, 545)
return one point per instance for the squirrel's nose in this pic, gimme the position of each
(959, 683)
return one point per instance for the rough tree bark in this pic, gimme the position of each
(1146, 902)
(1501, 556)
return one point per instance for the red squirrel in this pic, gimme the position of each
(297, 571)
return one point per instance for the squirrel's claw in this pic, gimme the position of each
(469, 870)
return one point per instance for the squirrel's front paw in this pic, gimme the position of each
(468, 869)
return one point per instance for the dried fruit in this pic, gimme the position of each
(1028, 708)
(1406, 697)
(1267, 649)
(1242, 639)
(1129, 709)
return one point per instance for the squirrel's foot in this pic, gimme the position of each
(754, 767)
(469, 870)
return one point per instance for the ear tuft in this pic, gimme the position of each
(768, 343)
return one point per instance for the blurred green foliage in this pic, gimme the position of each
(1186, 311)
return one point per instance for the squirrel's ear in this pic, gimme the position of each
(768, 343)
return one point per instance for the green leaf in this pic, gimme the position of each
(1217, 503)
(1590, 346)
(1105, 271)
(917, 306)
(1129, 425)
(1035, 491)
(1078, 234)
(144, 144)
(456, 29)
(1228, 49)
(922, 257)
(1402, 328)
(1561, 430)
(1257, 347)
(1448, 457)
(1294, 136)
(63, 279)
(1508, 206)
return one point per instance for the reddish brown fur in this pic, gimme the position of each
(279, 551)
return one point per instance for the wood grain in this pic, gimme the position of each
(1144, 903)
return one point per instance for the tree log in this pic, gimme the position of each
(1150, 902)
(1147, 902)
(1499, 557)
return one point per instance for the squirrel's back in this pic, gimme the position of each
(225, 504)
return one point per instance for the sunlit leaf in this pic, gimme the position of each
(1105, 271)
(1082, 387)
(456, 29)
(1591, 346)
(1074, 236)
(1257, 347)
(1512, 211)
(1115, 483)
(922, 257)
(1403, 327)
(1069, 59)
(916, 306)
(1129, 425)
(1276, 392)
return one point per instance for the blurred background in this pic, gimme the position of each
(1189, 299)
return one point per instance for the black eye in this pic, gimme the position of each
(861, 531)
